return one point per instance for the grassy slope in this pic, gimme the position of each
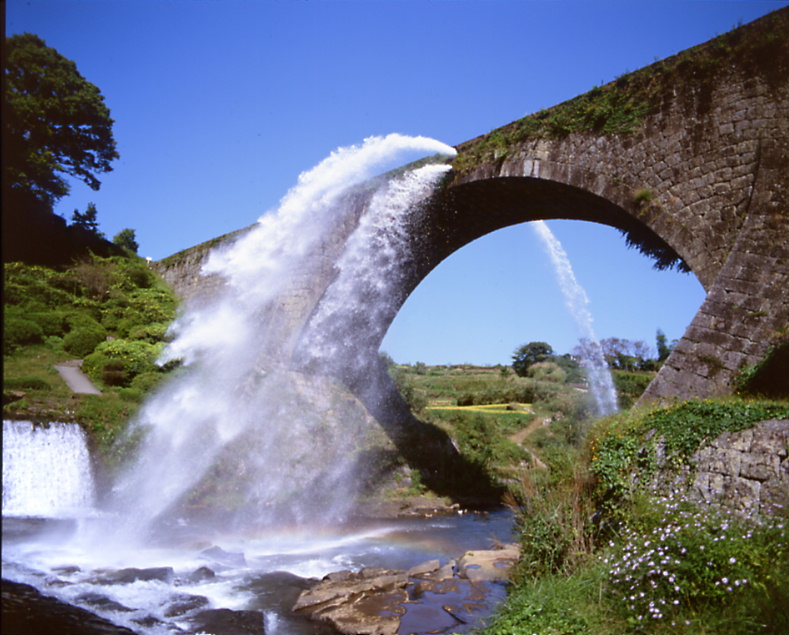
(118, 298)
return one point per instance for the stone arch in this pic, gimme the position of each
(457, 215)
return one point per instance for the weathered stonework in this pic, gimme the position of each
(707, 173)
(746, 471)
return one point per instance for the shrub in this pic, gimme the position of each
(82, 341)
(113, 372)
(25, 383)
(690, 556)
(131, 394)
(547, 371)
(147, 381)
(51, 322)
(81, 319)
(149, 332)
(137, 357)
(20, 332)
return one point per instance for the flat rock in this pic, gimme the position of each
(495, 564)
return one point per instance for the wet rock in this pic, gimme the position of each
(478, 566)
(226, 558)
(227, 622)
(132, 574)
(184, 603)
(427, 567)
(26, 611)
(428, 598)
(200, 575)
(151, 621)
(366, 602)
(98, 601)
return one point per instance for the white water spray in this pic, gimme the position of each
(600, 382)
(235, 419)
(371, 269)
(46, 470)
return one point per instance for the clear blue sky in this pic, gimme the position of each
(220, 105)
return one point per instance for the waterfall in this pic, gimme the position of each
(46, 470)
(600, 382)
(257, 428)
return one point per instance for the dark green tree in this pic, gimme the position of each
(127, 239)
(663, 349)
(528, 354)
(87, 219)
(55, 123)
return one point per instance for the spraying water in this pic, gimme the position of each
(600, 382)
(238, 418)
(270, 449)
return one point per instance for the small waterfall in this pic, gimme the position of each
(600, 382)
(46, 470)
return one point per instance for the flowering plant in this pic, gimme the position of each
(689, 554)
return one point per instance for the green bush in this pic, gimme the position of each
(83, 340)
(147, 381)
(25, 383)
(137, 357)
(547, 371)
(51, 322)
(81, 319)
(113, 373)
(689, 556)
(20, 332)
(129, 321)
(149, 332)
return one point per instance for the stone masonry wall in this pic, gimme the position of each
(746, 471)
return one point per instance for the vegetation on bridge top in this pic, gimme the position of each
(760, 48)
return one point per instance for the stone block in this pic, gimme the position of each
(771, 438)
(719, 461)
(739, 441)
(741, 494)
(760, 467)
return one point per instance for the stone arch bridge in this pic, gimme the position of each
(689, 157)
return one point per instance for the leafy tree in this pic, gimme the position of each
(663, 349)
(87, 220)
(55, 123)
(127, 239)
(528, 354)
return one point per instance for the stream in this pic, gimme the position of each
(188, 579)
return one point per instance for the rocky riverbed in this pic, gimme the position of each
(412, 566)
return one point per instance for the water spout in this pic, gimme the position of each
(600, 382)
